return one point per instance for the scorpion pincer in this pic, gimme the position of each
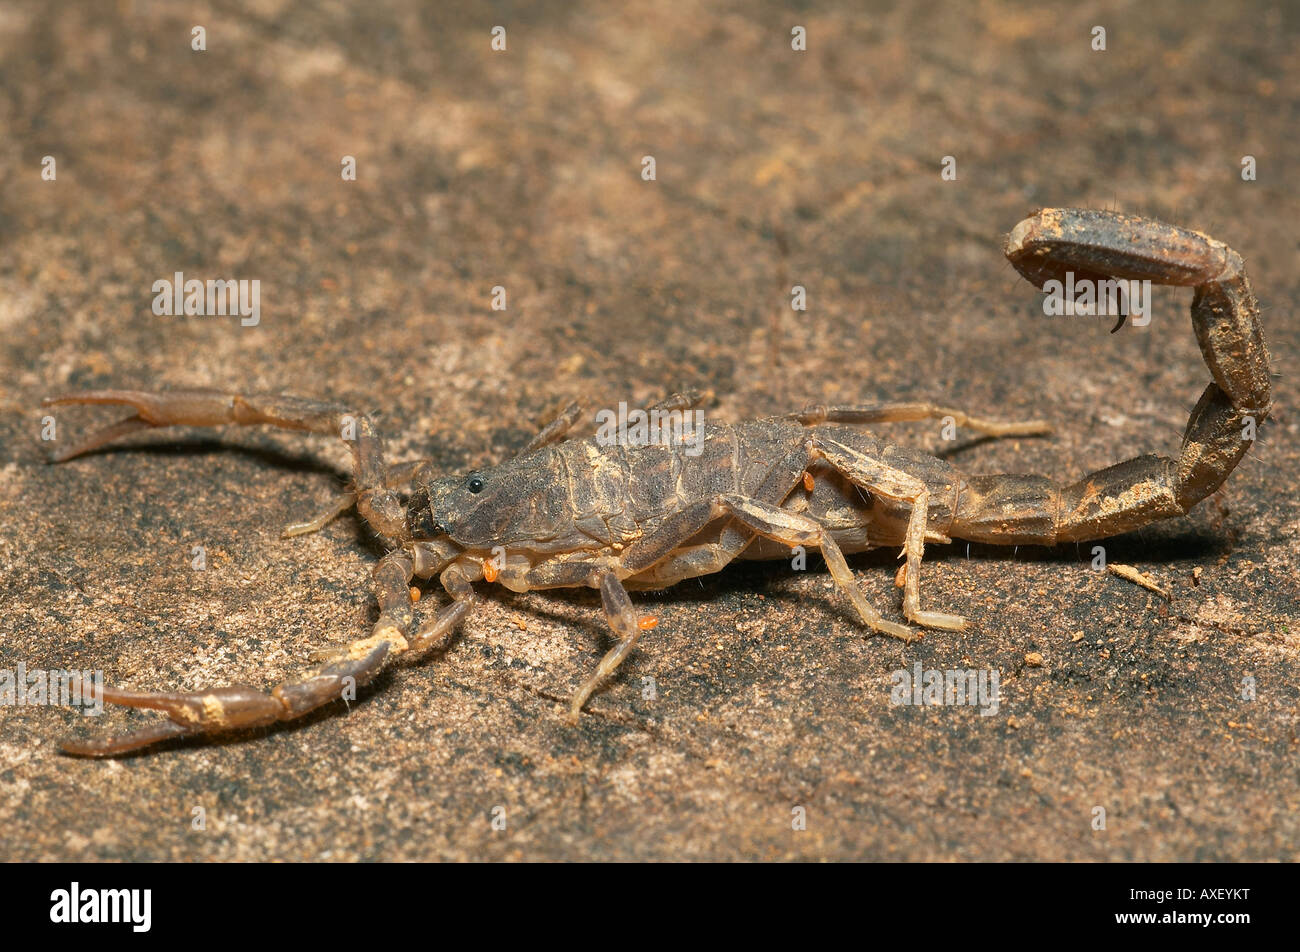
(581, 512)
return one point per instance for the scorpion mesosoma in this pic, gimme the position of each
(613, 517)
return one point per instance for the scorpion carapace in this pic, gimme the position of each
(614, 516)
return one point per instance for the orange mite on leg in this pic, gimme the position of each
(490, 570)
(808, 481)
(415, 594)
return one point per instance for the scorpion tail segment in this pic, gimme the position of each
(1107, 245)
(1218, 435)
(1225, 316)
(1101, 244)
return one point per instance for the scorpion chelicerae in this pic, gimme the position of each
(584, 512)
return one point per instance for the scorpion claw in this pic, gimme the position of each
(199, 712)
(236, 706)
(94, 441)
(112, 745)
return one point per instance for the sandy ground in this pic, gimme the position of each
(522, 169)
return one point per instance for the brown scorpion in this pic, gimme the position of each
(614, 516)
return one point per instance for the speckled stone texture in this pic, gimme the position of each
(522, 169)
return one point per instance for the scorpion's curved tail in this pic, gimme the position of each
(1097, 246)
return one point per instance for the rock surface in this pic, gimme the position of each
(522, 169)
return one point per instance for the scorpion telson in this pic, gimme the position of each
(578, 512)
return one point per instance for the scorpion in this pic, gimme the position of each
(573, 512)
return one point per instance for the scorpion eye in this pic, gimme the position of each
(475, 484)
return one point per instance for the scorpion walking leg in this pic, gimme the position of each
(663, 544)
(683, 400)
(559, 428)
(399, 474)
(898, 412)
(599, 572)
(1103, 246)
(870, 474)
(217, 710)
(766, 519)
(556, 430)
(436, 630)
(877, 477)
(623, 620)
(378, 505)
